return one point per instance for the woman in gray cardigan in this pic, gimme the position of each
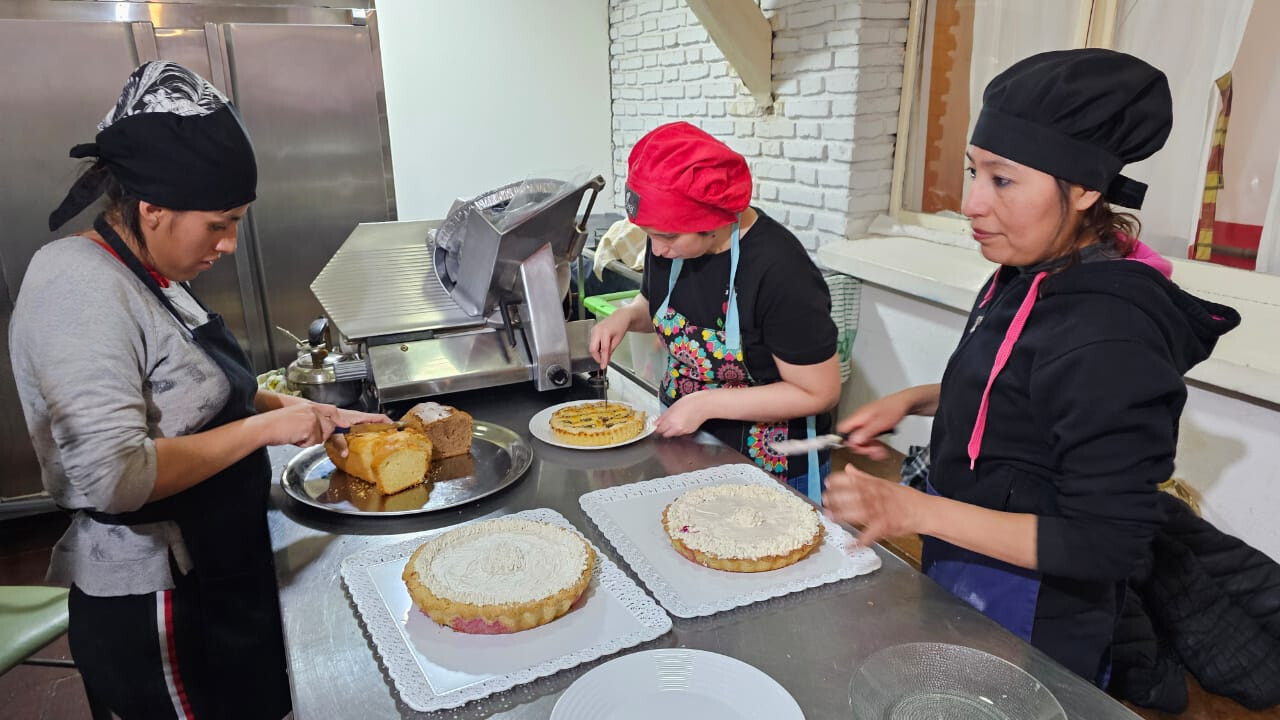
(147, 419)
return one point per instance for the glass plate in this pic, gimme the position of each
(498, 458)
(924, 681)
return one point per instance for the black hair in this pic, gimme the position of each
(1116, 231)
(122, 205)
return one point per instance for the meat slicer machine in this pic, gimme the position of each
(471, 301)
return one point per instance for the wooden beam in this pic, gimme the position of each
(742, 32)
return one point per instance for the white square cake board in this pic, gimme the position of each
(433, 667)
(630, 516)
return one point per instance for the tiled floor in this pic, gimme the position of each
(41, 693)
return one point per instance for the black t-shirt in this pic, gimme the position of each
(784, 308)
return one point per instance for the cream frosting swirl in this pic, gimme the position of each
(741, 521)
(506, 560)
(430, 412)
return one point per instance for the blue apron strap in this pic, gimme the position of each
(733, 333)
(815, 472)
(676, 266)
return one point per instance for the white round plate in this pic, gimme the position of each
(676, 683)
(540, 427)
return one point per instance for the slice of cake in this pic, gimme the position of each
(596, 423)
(448, 428)
(499, 576)
(742, 528)
(391, 459)
(364, 496)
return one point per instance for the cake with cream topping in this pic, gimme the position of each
(499, 576)
(742, 528)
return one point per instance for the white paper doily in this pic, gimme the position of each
(434, 668)
(630, 516)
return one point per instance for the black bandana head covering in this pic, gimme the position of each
(1079, 115)
(173, 140)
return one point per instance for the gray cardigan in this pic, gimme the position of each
(103, 369)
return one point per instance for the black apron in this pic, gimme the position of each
(224, 525)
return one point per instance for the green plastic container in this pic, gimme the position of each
(602, 306)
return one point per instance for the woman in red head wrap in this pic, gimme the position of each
(743, 311)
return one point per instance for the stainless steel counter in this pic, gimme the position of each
(810, 642)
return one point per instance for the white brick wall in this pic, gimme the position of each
(822, 157)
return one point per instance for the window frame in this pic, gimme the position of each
(1095, 27)
(1248, 367)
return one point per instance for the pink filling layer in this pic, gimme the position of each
(477, 626)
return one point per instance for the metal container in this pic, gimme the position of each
(316, 378)
(321, 375)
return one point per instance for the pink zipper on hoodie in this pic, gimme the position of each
(1141, 253)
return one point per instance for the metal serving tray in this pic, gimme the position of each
(498, 458)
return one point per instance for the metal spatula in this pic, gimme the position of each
(799, 446)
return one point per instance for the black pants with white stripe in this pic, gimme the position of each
(141, 655)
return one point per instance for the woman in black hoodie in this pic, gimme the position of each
(1058, 412)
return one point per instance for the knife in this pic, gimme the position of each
(800, 446)
(399, 425)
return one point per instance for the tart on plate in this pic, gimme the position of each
(596, 423)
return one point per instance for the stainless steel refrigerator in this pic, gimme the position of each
(307, 79)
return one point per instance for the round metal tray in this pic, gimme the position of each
(498, 458)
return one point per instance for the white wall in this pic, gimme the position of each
(481, 93)
(822, 157)
(1226, 447)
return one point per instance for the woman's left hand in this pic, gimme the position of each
(884, 508)
(347, 418)
(685, 416)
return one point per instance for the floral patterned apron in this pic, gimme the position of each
(700, 358)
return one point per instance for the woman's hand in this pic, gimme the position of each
(347, 418)
(685, 416)
(883, 415)
(882, 507)
(607, 334)
(300, 424)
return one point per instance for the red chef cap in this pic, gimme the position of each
(681, 180)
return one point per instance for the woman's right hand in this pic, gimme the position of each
(871, 420)
(883, 415)
(300, 424)
(607, 334)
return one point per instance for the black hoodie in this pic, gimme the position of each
(1080, 425)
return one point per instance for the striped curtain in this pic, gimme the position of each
(1203, 247)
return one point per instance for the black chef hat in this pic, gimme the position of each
(173, 140)
(1079, 115)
